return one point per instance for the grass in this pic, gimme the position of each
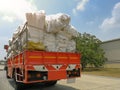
(112, 65)
(111, 72)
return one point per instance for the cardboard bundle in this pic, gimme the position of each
(36, 19)
(47, 33)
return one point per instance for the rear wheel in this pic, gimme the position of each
(7, 74)
(50, 83)
(17, 85)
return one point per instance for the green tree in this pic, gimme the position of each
(89, 47)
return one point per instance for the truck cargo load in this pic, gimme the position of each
(43, 50)
(44, 33)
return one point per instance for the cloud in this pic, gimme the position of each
(11, 10)
(80, 6)
(8, 18)
(112, 23)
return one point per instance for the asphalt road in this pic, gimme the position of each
(86, 82)
(2, 67)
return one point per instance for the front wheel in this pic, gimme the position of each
(7, 74)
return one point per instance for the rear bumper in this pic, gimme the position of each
(40, 73)
(38, 76)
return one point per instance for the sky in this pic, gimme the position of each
(97, 17)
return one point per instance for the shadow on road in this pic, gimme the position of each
(56, 87)
(39, 86)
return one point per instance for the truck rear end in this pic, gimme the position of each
(43, 67)
(50, 66)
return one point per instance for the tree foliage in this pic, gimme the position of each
(89, 47)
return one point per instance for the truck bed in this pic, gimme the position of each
(48, 65)
(41, 57)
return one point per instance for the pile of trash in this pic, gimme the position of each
(44, 33)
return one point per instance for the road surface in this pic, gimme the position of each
(86, 82)
(2, 67)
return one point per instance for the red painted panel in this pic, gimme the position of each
(56, 75)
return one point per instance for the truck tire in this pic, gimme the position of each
(50, 83)
(7, 74)
(17, 85)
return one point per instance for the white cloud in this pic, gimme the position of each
(80, 6)
(11, 10)
(8, 18)
(74, 11)
(112, 23)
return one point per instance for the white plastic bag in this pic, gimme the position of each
(57, 22)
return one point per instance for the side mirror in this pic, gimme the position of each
(5, 58)
(6, 46)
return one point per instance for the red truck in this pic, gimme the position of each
(32, 66)
(46, 67)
